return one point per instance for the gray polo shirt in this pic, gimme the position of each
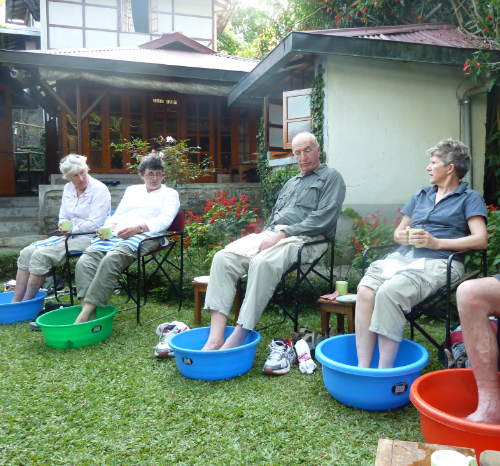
(310, 204)
(445, 220)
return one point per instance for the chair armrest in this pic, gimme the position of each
(452, 257)
(372, 248)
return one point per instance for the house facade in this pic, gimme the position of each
(391, 93)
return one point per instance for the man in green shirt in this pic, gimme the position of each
(307, 210)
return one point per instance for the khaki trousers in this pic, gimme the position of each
(395, 297)
(97, 272)
(264, 273)
(39, 261)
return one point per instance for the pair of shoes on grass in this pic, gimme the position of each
(166, 331)
(283, 356)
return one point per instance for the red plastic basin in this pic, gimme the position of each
(444, 398)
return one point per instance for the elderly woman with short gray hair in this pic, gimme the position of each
(86, 203)
(437, 221)
(146, 210)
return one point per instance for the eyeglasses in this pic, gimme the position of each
(154, 175)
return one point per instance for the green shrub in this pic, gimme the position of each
(8, 264)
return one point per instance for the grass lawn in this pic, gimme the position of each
(115, 404)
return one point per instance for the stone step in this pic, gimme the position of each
(19, 226)
(19, 202)
(19, 212)
(18, 241)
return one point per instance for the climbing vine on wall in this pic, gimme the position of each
(317, 110)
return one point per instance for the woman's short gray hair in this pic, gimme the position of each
(73, 163)
(151, 162)
(453, 152)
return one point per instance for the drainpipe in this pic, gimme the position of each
(466, 102)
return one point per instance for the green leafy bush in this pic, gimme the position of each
(8, 264)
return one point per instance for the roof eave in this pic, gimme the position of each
(28, 59)
(304, 43)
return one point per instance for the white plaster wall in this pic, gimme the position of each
(165, 23)
(100, 39)
(133, 39)
(101, 18)
(165, 5)
(382, 116)
(193, 27)
(104, 2)
(65, 14)
(63, 38)
(193, 7)
(43, 21)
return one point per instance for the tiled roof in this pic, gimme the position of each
(442, 34)
(160, 57)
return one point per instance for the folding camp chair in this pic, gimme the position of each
(443, 294)
(283, 289)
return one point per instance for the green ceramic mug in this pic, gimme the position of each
(105, 232)
(412, 230)
(66, 225)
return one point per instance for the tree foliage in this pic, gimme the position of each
(257, 31)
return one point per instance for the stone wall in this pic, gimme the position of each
(192, 197)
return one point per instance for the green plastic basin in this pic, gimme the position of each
(59, 330)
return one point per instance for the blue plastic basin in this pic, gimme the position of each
(212, 365)
(371, 389)
(20, 312)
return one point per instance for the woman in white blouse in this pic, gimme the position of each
(86, 202)
(146, 210)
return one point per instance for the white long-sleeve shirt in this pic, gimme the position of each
(90, 210)
(156, 209)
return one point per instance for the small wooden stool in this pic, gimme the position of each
(340, 309)
(201, 287)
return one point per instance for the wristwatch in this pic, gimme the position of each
(140, 226)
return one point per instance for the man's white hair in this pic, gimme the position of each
(311, 136)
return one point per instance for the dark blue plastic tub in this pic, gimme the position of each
(20, 312)
(371, 389)
(212, 365)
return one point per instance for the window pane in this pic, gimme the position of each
(191, 126)
(71, 100)
(71, 123)
(297, 127)
(91, 99)
(115, 123)
(204, 126)
(243, 128)
(135, 104)
(158, 125)
(225, 160)
(94, 122)
(158, 105)
(193, 158)
(244, 158)
(115, 138)
(225, 143)
(72, 142)
(3, 104)
(204, 109)
(171, 126)
(225, 126)
(96, 159)
(95, 141)
(244, 145)
(191, 108)
(225, 111)
(204, 158)
(192, 141)
(205, 144)
(136, 124)
(115, 103)
(298, 107)
(171, 107)
(243, 112)
(276, 114)
(116, 160)
(276, 137)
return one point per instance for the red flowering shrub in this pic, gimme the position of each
(223, 221)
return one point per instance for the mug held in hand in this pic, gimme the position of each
(105, 232)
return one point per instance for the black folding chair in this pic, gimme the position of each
(283, 289)
(176, 229)
(428, 305)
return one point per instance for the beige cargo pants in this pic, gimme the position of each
(264, 273)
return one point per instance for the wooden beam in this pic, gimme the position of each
(58, 98)
(94, 105)
(290, 76)
(79, 118)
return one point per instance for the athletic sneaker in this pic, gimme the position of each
(281, 358)
(166, 331)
